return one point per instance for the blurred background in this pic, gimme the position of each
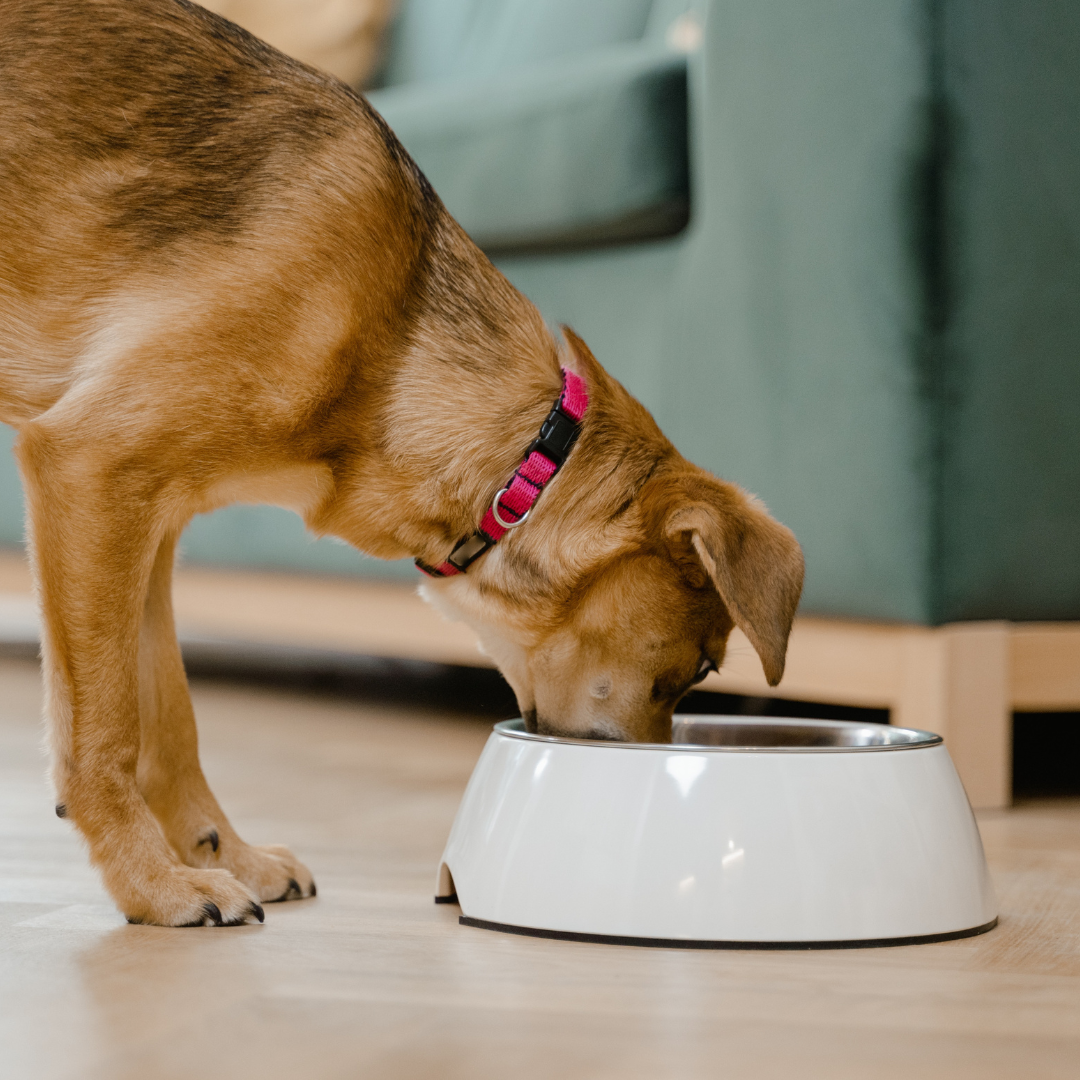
(834, 246)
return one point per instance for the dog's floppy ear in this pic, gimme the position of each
(755, 562)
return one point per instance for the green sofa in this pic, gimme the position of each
(834, 246)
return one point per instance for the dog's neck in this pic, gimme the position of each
(588, 513)
(488, 440)
(447, 420)
(444, 428)
(515, 501)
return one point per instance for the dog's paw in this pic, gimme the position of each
(271, 871)
(187, 897)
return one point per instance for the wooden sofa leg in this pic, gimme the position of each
(955, 680)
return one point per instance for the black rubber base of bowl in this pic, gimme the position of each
(680, 943)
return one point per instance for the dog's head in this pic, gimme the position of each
(649, 589)
(641, 629)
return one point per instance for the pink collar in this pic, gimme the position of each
(543, 459)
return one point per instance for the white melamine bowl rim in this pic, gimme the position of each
(899, 738)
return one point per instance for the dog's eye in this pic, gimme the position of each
(706, 666)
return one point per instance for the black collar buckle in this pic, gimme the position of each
(558, 433)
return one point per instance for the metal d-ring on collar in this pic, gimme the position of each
(498, 517)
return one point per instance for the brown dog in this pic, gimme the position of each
(221, 279)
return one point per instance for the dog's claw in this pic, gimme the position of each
(313, 889)
(61, 810)
(253, 910)
(292, 892)
(210, 838)
(211, 916)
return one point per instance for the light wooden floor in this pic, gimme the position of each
(372, 979)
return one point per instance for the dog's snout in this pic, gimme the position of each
(599, 735)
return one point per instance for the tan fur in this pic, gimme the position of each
(221, 277)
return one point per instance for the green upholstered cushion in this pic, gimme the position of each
(589, 147)
(436, 40)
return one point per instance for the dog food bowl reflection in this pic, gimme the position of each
(744, 832)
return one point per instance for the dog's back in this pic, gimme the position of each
(152, 140)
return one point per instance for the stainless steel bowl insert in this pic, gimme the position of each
(756, 734)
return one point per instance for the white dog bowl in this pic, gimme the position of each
(745, 832)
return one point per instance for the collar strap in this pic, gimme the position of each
(512, 504)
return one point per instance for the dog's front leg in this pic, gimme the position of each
(170, 777)
(96, 521)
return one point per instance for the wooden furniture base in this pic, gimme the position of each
(963, 680)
